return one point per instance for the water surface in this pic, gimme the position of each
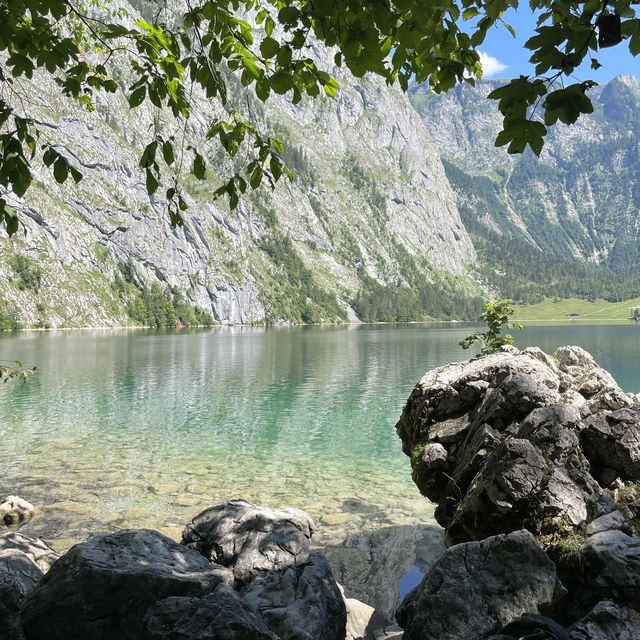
(128, 429)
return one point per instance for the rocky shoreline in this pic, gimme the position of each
(533, 461)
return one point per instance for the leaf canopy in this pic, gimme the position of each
(267, 44)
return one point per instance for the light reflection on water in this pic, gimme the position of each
(122, 429)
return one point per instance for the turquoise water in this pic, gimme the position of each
(140, 428)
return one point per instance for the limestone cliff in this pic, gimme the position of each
(370, 199)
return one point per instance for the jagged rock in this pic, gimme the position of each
(23, 562)
(359, 617)
(476, 588)
(300, 602)
(388, 633)
(101, 589)
(250, 540)
(612, 564)
(220, 615)
(607, 621)
(611, 439)
(16, 512)
(618, 519)
(583, 373)
(532, 627)
(497, 442)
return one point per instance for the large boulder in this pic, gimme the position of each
(221, 615)
(510, 440)
(102, 588)
(477, 588)
(250, 540)
(300, 602)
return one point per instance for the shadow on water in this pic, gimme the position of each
(380, 567)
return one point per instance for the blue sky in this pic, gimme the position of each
(508, 58)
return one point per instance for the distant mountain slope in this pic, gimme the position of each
(577, 205)
(370, 207)
(578, 199)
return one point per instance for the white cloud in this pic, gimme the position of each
(490, 66)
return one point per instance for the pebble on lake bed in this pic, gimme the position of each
(16, 512)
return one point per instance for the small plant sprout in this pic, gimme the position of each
(496, 317)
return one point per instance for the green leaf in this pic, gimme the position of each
(520, 132)
(137, 96)
(168, 153)
(275, 164)
(199, 167)
(256, 177)
(149, 154)
(49, 156)
(281, 82)
(288, 15)
(263, 89)
(60, 170)
(75, 174)
(151, 183)
(567, 104)
(269, 47)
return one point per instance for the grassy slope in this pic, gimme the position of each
(598, 310)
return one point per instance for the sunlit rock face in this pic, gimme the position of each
(369, 198)
(519, 438)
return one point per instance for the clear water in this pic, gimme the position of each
(129, 429)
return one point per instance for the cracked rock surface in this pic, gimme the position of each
(250, 540)
(476, 588)
(520, 439)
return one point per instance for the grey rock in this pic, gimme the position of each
(612, 563)
(518, 487)
(519, 393)
(509, 440)
(607, 621)
(612, 439)
(502, 494)
(250, 540)
(23, 562)
(388, 633)
(10, 627)
(532, 627)
(617, 519)
(15, 512)
(360, 617)
(555, 431)
(582, 372)
(101, 589)
(220, 615)
(301, 602)
(476, 588)
(466, 405)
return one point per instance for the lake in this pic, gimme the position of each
(144, 429)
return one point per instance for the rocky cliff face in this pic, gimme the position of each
(578, 200)
(370, 198)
